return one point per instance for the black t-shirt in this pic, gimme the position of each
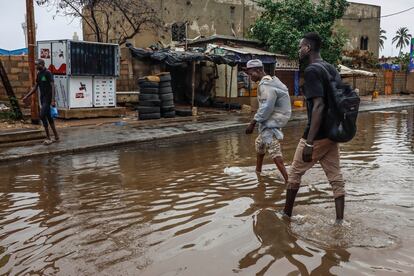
(45, 81)
(316, 85)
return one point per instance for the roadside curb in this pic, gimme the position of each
(163, 137)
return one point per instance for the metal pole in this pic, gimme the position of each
(31, 40)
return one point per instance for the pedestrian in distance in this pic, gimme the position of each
(273, 113)
(45, 84)
(315, 146)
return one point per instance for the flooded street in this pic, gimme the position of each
(198, 208)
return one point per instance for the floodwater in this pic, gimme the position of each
(174, 209)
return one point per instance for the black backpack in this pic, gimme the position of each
(343, 106)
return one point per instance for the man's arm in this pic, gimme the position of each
(317, 111)
(33, 90)
(266, 108)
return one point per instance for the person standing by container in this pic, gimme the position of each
(274, 112)
(46, 85)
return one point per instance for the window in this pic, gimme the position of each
(178, 32)
(364, 43)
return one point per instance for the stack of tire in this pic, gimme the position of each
(149, 106)
(166, 96)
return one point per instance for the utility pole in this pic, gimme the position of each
(31, 40)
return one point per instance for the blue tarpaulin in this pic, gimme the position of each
(17, 52)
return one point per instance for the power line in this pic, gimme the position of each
(378, 17)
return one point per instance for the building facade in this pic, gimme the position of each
(195, 18)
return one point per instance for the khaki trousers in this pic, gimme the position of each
(326, 153)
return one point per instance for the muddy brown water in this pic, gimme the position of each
(174, 209)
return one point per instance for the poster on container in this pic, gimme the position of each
(80, 92)
(44, 51)
(412, 56)
(59, 57)
(104, 91)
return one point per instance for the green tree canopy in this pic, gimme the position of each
(402, 38)
(283, 23)
(382, 38)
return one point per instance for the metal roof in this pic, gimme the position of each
(249, 51)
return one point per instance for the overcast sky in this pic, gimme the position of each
(12, 15)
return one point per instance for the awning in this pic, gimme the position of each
(348, 72)
(178, 58)
(244, 54)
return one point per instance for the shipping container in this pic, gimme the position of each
(80, 58)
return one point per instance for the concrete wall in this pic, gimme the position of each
(364, 27)
(17, 68)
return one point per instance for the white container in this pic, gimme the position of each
(104, 91)
(73, 92)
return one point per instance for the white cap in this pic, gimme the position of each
(254, 63)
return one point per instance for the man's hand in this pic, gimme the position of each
(250, 128)
(307, 153)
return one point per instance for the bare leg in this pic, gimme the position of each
(259, 162)
(281, 167)
(53, 127)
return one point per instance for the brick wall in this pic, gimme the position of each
(410, 83)
(17, 69)
(132, 69)
(366, 85)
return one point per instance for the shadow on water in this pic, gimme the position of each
(174, 209)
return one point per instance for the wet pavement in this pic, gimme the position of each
(104, 136)
(196, 207)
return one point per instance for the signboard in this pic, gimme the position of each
(104, 91)
(44, 51)
(80, 92)
(412, 56)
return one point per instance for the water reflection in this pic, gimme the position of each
(170, 208)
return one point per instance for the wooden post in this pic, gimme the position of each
(10, 93)
(231, 82)
(193, 67)
(226, 84)
(31, 40)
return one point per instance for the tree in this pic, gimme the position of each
(109, 20)
(382, 38)
(283, 23)
(402, 38)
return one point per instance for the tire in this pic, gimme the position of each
(150, 103)
(183, 112)
(148, 109)
(165, 90)
(149, 116)
(168, 114)
(149, 84)
(148, 97)
(148, 90)
(165, 84)
(165, 77)
(167, 104)
(167, 109)
(166, 97)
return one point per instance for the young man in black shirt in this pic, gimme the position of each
(315, 146)
(45, 83)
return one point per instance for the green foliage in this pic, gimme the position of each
(402, 38)
(403, 60)
(283, 23)
(382, 38)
